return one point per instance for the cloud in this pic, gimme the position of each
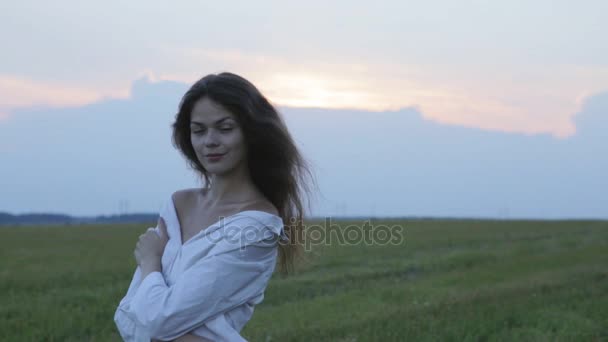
(386, 162)
(521, 99)
(592, 120)
(494, 96)
(18, 92)
(491, 66)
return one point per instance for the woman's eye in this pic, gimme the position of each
(222, 129)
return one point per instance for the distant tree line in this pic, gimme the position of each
(7, 219)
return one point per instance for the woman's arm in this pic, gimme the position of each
(236, 273)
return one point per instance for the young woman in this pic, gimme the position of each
(206, 265)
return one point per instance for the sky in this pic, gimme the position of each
(417, 85)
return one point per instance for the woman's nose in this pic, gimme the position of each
(211, 138)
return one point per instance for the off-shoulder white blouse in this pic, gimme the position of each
(209, 285)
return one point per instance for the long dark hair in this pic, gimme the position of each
(276, 166)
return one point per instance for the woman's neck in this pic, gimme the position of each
(231, 189)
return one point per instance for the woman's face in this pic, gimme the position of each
(215, 130)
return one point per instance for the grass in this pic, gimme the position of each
(447, 280)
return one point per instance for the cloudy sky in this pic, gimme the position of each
(526, 70)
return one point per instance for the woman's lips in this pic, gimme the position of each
(214, 157)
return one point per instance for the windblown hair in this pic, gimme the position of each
(276, 166)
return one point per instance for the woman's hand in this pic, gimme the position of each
(150, 246)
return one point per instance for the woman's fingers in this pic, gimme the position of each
(163, 228)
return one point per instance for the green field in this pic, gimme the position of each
(447, 281)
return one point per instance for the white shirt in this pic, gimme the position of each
(209, 285)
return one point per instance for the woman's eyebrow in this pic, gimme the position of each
(216, 122)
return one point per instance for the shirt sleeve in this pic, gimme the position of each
(211, 286)
(128, 330)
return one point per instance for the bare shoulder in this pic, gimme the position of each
(182, 197)
(263, 205)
